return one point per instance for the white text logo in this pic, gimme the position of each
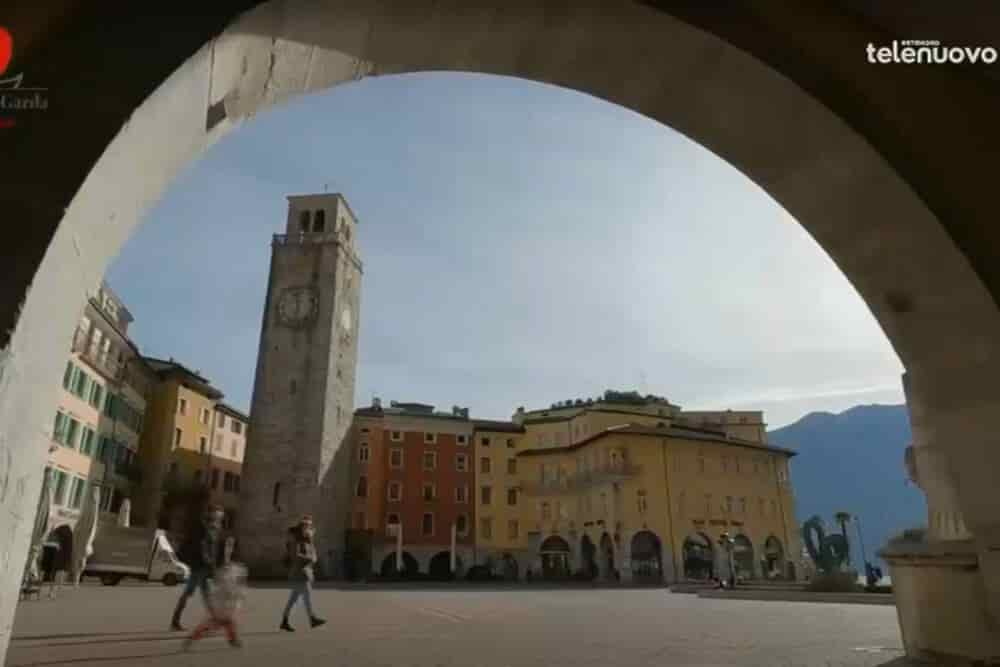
(929, 51)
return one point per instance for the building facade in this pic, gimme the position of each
(623, 487)
(413, 484)
(101, 412)
(223, 471)
(192, 444)
(303, 396)
(500, 514)
(649, 503)
(102, 404)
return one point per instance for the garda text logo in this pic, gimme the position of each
(16, 98)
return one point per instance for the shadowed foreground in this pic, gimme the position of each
(127, 625)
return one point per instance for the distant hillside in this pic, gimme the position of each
(853, 461)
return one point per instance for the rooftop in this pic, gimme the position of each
(610, 397)
(689, 433)
(336, 195)
(193, 379)
(495, 426)
(412, 409)
(549, 416)
(225, 408)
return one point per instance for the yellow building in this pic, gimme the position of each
(191, 440)
(102, 402)
(500, 526)
(628, 487)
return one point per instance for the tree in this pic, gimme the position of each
(844, 518)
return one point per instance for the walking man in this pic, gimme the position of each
(201, 553)
(302, 560)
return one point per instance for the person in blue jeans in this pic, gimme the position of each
(301, 560)
(201, 553)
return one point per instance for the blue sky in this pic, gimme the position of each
(523, 244)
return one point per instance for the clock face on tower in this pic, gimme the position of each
(297, 305)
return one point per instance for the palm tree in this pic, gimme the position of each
(844, 518)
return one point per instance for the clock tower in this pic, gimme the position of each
(303, 395)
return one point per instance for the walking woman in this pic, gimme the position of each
(302, 560)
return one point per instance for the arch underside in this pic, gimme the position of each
(936, 310)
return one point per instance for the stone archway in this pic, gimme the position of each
(646, 557)
(388, 569)
(511, 569)
(699, 557)
(881, 186)
(743, 557)
(439, 567)
(58, 553)
(773, 561)
(555, 555)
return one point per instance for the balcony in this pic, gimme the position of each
(99, 359)
(547, 488)
(617, 471)
(303, 238)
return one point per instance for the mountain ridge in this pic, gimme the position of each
(853, 461)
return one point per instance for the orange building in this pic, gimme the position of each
(412, 472)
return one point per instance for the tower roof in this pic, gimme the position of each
(335, 195)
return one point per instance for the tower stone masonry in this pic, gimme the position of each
(303, 395)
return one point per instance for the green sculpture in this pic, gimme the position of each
(829, 552)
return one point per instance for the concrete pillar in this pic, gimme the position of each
(947, 583)
(927, 466)
(667, 566)
(532, 559)
(624, 559)
(575, 551)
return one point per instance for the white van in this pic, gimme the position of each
(142, 553)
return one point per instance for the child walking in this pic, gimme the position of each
(225, 598)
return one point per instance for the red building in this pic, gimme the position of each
(412, 471)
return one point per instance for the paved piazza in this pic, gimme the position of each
(126, 625)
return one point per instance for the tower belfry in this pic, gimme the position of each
(303, 396)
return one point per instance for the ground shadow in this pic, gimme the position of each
(903, 661)
(113, 638)
(108, 658)
(464, 587)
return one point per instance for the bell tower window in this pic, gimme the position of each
(319, 221)
(304, 222)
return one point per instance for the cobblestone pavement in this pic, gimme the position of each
(127, 625)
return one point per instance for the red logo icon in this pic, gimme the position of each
(6, 49)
